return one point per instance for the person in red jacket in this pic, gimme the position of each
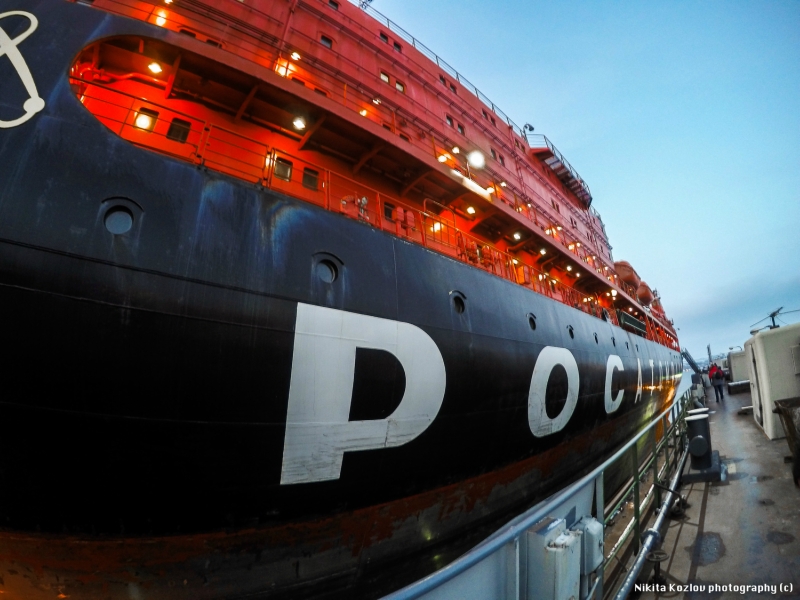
(717, 377)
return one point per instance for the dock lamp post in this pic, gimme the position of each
(732, 347)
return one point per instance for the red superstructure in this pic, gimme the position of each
(324, 102)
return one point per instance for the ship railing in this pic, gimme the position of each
(238, 154)
(538, 140)
(503, 565)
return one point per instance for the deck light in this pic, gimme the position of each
(155, 67)
(515, 261)
(578, 244)
(442, 158)
(376, 101)
(490, 190)
(529, 204)
(547, 231)
(161, 19)
(299, 123)
(607, 294)
(542, 251)
(559, 227)
(456, 150)
(517, 236)
(476, 159)
(437, 226)
(577, 274)
(295, 56)
(569, 268)
(630, 310)
(363, 112)
(502, 184)
(613, 292)
(470, 210)
(572, 246)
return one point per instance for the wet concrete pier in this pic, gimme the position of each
(743, 531)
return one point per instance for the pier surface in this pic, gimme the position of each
(741, 531)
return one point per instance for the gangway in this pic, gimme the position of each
(556, 549)
(691, 361)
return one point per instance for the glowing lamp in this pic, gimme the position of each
(613, 292)
(442, 158)
(470, 210)
(502, 184)
(517, 236)
(376, 101)
(295, 56)
(145, 121)
(569, 268)
(155, 67)
(299, 123)
(476, 159)
(363, 112)
(542, 251)
(456, 150)
(490, 190)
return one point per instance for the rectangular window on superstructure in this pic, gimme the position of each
(442, 79)
(283, 169)
(400, 87)
(326, 41)
(397, 47)
(460, 129)
(449, 120)
(384, 37)
(310, 178)
(494, 154)
(300, 81)
(388, 211)
(320, 91)
(405, 137)
(179, 130)
(453, 89)
(333, 4)
(501, 159)
(492, 120)
(384, 77)
(485, 114)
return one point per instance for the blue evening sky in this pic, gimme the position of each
(682, 117)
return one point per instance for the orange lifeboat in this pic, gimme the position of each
(644, 293)
(627, 273)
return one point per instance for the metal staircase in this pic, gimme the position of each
(691, 361)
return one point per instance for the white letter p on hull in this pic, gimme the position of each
(318, 432)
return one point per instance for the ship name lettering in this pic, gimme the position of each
(318, 429)
(8, 47)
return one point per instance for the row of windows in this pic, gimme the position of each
(446, 83)
(385, 39)
(178, 131)
(386, 78)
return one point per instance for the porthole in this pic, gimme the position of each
(327, 270)
(118, 220)
(532, 321)
(571, 331)
(459, 301)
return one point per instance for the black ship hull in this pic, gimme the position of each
(149, 376)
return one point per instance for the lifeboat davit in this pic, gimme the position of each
(644, 293)
(627, 273)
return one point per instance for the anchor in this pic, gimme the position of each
(8, 47)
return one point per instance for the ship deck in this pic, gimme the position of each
(741, 531)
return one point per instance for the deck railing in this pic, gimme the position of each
(223, 149)
(498, 568)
